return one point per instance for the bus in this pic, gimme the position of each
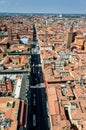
(34, 119)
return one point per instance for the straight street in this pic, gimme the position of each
(37, 115)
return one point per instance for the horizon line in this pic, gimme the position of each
(43, 13)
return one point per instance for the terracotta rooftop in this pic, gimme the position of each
(13, 62)
(10, 111)
(6, 87)
(19, 47)
(4, 41)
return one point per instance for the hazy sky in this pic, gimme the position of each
(43, 6)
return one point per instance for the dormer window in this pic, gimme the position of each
(10, 104)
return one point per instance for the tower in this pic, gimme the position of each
(10, 34)
(70, 37)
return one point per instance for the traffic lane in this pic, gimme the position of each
(39, 104)
(36, 109)
(44, 108)
(38, 112)
(34, 102)
(43, 117)
(33, 82)
(37, 75)
(32, 112)
(32, 78)
(38, 80)
(37, 70)
(35, 59)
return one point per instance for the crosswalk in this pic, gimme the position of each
(41, 85)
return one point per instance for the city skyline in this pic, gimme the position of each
(53, 6)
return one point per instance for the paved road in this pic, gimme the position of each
(37, 116)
